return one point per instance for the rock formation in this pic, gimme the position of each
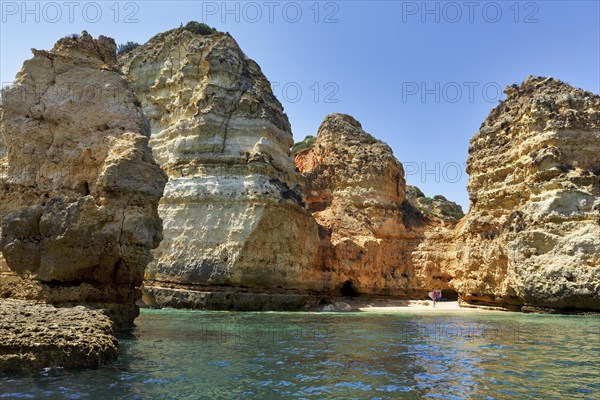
(36, 336)
(356, 192)
(2, 151)
(532, 235)
(438, 206)
(3, 267)
(78, 200)
(246, 226)
(236, 232)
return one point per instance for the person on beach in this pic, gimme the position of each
(436, 296)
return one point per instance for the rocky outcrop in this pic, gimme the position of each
(2, 150)
(234, 197)
(438, 206)
(3, 267)
(356, 192)
(78, 201)
(532, 235)
(235, 226)
(36, 336)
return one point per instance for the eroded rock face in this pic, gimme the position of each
(2, 149)
(36, 336)
(356, 191)
(532, 235)
(233, 210)
(80, 191)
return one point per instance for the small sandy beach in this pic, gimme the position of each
(386, 306)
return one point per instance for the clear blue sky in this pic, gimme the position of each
(422, 76)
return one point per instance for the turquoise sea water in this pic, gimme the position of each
(227, 355)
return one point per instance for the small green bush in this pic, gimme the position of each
(456, 215)
(439, 197)
(426, 200)
(308, 141)
(418, 192)
(199, 28)
(126, 48)
(369, 139)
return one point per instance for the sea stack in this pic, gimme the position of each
(80, 189)
(237, 234)
(531, 239)
(357, 193)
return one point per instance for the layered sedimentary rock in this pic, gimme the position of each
(2, 149)
(236, 232)
(36, 336)
(80, 188)
(356, 191)
(3, 267)
(532, 235)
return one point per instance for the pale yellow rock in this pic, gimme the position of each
(80, 187)
(532, 235)
(233, 210)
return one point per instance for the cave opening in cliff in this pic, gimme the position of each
(349, 289)
(83, 188)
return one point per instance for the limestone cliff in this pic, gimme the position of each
(532, 235)
(233, 212)
(79, 195)
(2, 149)
(356, 191)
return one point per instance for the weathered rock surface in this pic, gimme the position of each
(356, 191)
(78, 201)
(532, 235)
(2, 149)
(36, 336)
(234, 218)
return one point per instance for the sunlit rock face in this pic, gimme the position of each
(356, 192)
(532, 235)
(80, 189)
(233, 210)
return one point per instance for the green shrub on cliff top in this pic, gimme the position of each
(426, 200)
(126, 48)
(199, 28)
(369, 139)
(308, 141)
(418, 192)
(455, 215)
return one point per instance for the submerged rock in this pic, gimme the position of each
(235, 223)
(79, 194)
(532, 234)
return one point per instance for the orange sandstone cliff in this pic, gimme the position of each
(356, 191)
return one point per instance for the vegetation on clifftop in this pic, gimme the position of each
(308, 141)
(126, 47)
(437, 206)
(199, 28)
